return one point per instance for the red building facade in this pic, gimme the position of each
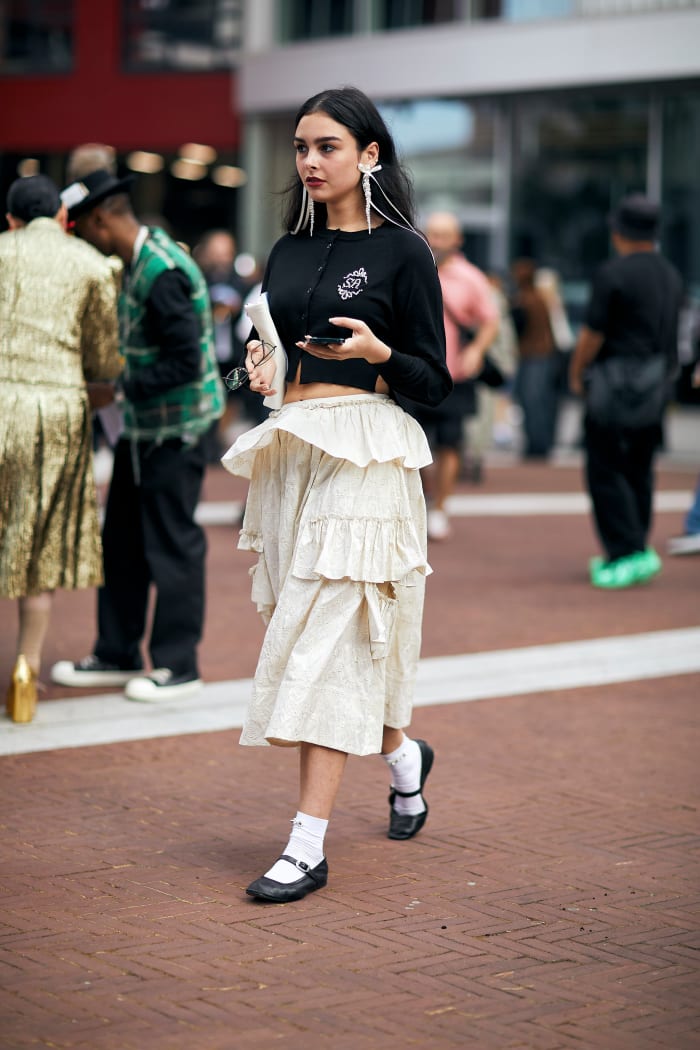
(101, 97)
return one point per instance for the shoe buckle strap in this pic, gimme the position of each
(302, 866)
(405, 794)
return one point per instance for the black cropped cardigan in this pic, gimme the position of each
(388, 280)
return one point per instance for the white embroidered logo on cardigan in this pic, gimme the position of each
(353, 284)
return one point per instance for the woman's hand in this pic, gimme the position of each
(261, 375)
(363, 343)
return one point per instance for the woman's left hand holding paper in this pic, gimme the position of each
(261, 375)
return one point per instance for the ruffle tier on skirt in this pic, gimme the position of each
(336, 512)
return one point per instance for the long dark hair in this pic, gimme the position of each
(350, 107)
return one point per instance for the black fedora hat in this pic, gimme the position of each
(81, 197)
(636, 218)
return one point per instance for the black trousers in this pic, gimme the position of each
(150, 537)
(619, 473)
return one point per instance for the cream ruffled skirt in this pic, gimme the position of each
(335, 510)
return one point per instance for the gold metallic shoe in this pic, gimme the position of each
(21, 695)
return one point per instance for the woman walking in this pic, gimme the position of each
(335, 506)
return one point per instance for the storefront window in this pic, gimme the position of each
(187, 35)
(448, 146)
(524, 10)
(531, 10)
(681, 164)
(313, 19)
(398, 14)
(573, 159)
(36, 36)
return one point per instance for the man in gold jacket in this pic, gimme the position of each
(58, 328)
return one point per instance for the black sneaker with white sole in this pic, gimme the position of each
(162, 684)
(91, 673)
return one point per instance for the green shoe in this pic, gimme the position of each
(648, 565)
(615, 575)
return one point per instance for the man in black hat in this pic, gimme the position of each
(624, 357)
(172, 392)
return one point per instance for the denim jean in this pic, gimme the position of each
(692, 521)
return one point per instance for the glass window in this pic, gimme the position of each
(188, 35)
(312, 19)
(530, 10)
(524, 10)
(397, 14)
(681, 200)
(573, 159)
(448, 146)
(36, 36)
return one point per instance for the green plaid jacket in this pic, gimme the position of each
(185, 411)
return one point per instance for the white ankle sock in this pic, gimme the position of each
(305, 843)
(405, 765)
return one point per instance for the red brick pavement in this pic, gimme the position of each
(498, 583)
(551, 901)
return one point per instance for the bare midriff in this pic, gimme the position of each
(297, 391)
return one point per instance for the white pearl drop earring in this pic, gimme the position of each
(368, 170)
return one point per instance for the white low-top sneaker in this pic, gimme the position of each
(438, 525)
(689, 544)
(91, 673)
(161, 684)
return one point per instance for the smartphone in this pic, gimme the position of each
(324, 340)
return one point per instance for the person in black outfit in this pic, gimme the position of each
(171, 393)
(335, 508)
(632, 314)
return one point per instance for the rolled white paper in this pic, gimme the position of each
(259, 314)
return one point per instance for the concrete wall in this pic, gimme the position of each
(472, 58)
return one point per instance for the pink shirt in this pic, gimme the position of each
(468, 300)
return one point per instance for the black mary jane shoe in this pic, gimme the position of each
(406, 825)
(282, 892)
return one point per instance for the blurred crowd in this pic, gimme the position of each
(511, 350)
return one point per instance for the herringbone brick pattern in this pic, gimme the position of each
(498, 583)
(551, 901)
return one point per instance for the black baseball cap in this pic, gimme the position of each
(33, 197)
(636, 218)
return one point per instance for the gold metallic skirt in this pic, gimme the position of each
(49, 527)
